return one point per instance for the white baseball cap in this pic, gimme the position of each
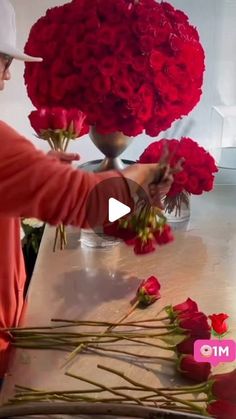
(8, 33)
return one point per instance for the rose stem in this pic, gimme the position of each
(78, 349)
(55, 241)
(172, 398)
(131, 310)
(102, 386)
(82, 346)
(105, 323)
(162, 358)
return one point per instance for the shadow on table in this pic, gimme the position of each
(82, 291)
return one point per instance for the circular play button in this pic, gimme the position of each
(108, 202)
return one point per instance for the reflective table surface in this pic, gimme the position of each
(99, 284)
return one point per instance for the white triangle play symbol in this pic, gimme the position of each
(117, 210)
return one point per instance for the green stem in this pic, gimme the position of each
(131, 310)
(102, 386)
(56, 239)
(161, 358)
(157, 391)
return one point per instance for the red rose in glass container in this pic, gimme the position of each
(197, 176)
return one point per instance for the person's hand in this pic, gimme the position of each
(152, 179)
(64, 157)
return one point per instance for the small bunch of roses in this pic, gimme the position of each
(194, 325)
(198, 172)
(129, 65)
(58, 126)
(143, 230)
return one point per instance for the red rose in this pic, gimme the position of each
(48, 32)
(157, 60)
(115, 230)
(193, 185)
(108, 66)
(131, 127)
(224, 386)
(222, 409)
(58, 119)
(164, 236)
(188, 306)
(207, 184)
(148, 291)
(40, 120)
(101, 84)
(57, 90)
(175, 189)
(195, 324)
(187, 346)
(218, 323)
(143, 247)
(196, 371)
(181, 178)
(76, 121)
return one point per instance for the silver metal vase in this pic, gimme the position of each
(112, 146)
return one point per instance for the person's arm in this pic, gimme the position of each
(32, 185)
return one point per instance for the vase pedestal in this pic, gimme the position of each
(112, 146)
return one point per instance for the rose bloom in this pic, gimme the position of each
(164, 236)
(193, 370)
(224, 386)
(195, 325)
(143, 247)
(188, 306)
(218, 323)
(222, 409)
(149, 291)
(186, 346)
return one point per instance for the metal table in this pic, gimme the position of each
(98, 284)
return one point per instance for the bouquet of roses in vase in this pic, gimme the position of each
(130, 66)
(58, 126)
(198, 172)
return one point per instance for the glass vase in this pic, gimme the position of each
(177, 209)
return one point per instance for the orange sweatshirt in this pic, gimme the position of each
(35, 185)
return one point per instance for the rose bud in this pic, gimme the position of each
(188, 306)
(193, 370)
(148, 291)
(224, 386)
(40, 120)
(218, 323)
(164, 236)
(75, 121)
(196, 325)
(143, 247)
(222, 409)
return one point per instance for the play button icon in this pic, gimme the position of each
(117, 210)
(108, 202)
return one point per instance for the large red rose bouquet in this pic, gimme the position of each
(198, 171)
(129, 65)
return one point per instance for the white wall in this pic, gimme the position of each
(215, 20)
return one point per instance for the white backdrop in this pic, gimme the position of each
(215, 20)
